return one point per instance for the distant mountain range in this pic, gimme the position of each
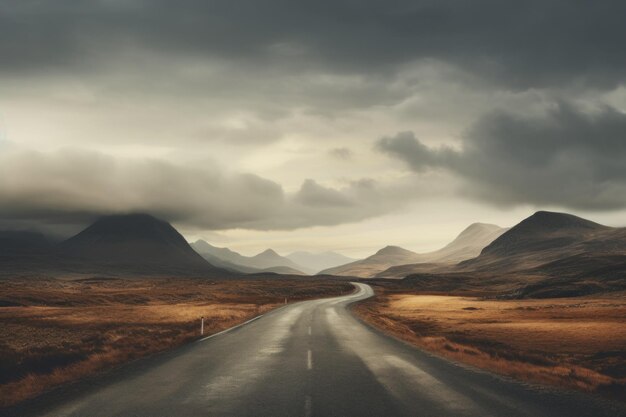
(266, 261)
(141, 244)
(545, 255)
(396, 262)
(299, 263)
(120, 244)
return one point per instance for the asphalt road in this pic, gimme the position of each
(312, 358)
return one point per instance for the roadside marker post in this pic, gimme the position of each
(202, 326)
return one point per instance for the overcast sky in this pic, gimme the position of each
(321, 125)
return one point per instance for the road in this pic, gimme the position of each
(311, 358)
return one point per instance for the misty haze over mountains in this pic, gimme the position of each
(266, 261)
(300, 262)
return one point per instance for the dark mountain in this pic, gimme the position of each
(137, 243)
(543, 231)
(25, 252)
(23, 243)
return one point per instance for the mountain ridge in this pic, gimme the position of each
(396, 262)
(266, 261)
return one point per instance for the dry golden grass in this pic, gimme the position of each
(57, 331)
(571, 342)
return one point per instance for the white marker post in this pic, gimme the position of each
(285, 300)
(202, 326)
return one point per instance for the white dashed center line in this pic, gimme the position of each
(308, 406)
(309, 360)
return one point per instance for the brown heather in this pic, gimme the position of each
(577, 343)
(56, 331)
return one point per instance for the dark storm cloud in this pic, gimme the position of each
(566, 157)
(70, 187)
(520, 44)
(199, 77)
(420, 157)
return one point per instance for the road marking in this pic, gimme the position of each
(309, 330)
(309, 360)
(232, 328)
(239, 325)
(308, 406)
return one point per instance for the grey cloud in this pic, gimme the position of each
(341, 153)
(567, 157)
(419, 156)
(519, 44)
(313, 194)
(70, 187)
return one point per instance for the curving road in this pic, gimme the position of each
(311, 358)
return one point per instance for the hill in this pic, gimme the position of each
(383, 259)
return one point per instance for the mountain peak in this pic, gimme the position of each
(136, 225)
(553, 221)
(542, 231)
(135, 240)
(392, 250)
(480, 227)
(268, 252)
(201, 245)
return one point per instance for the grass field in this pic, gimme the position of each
(55, 331)
(569, 342)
